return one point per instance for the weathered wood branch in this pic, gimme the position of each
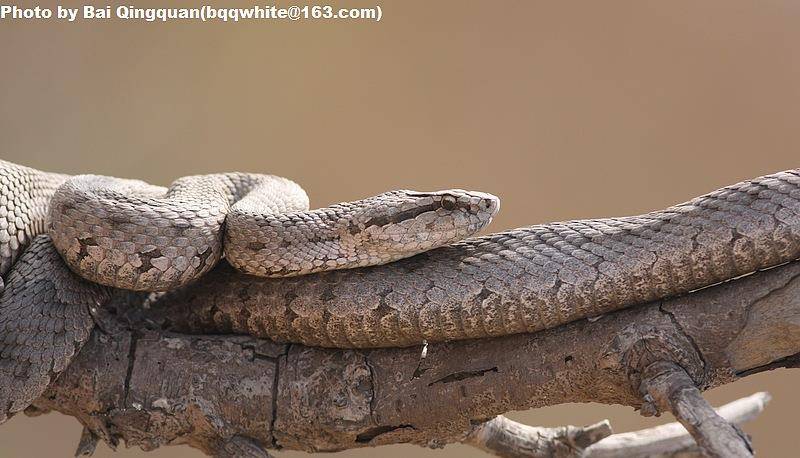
(508, 439)
(671, 389)
(223, 394)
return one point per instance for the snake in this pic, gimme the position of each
(396, 269)
(131, 235)
(67, 241)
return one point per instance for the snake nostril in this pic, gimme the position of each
(491, 204)
(448, 203)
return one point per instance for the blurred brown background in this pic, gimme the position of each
(563, 109)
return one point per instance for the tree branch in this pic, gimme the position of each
(508, 439)
(671, 388)
(138, 383)
(672, 439)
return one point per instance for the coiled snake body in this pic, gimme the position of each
(131, 235)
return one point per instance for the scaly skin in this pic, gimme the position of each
(522, 280)
(517, 281)
(45, 318)
(44, 308)
(131, 235)
(25, 195)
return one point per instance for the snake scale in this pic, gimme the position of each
(128, 234)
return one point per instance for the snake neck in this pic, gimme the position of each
(25, 195)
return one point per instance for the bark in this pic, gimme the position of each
(236, 395)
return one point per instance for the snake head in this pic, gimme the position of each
(368, 232)
(412, 221)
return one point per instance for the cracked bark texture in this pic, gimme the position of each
(136, 382)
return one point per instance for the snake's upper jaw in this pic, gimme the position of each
(413, 221)
(477, 202)
(469, 211)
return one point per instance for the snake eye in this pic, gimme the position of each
(448, 203)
